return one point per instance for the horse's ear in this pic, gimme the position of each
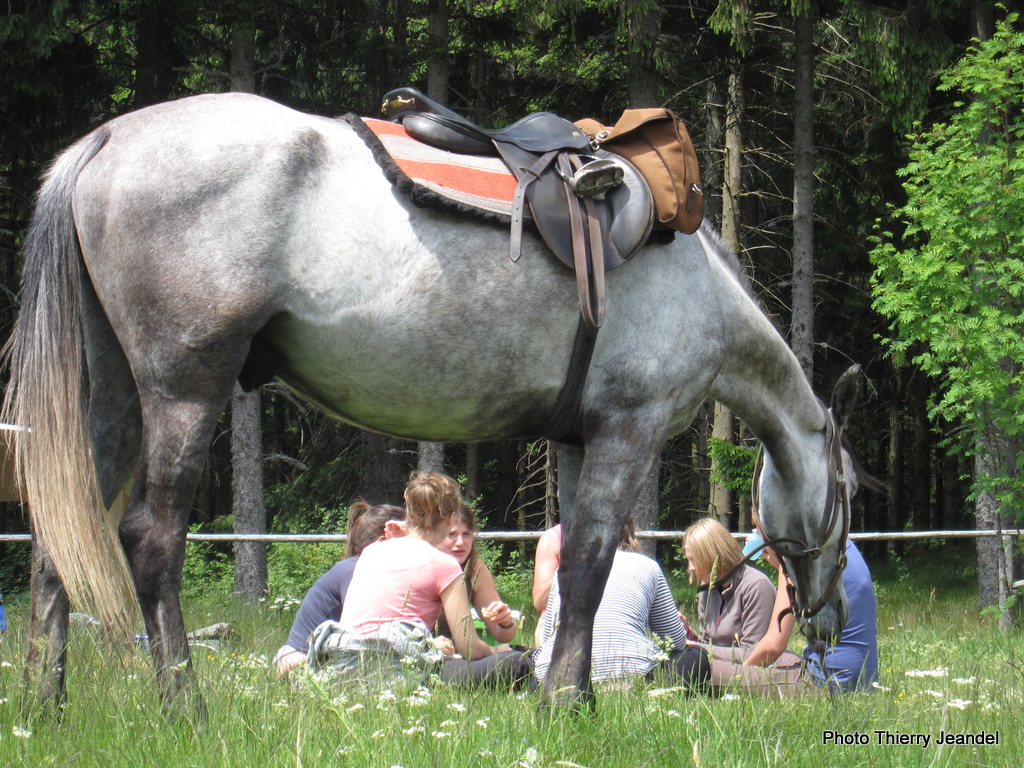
(844, 396)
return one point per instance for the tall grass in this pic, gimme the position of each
(943, 668)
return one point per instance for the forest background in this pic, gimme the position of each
(804, 115)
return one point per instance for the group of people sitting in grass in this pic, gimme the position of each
(411, 581)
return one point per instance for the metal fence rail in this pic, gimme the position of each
(328, 538)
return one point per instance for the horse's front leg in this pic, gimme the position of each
(153, 533)
(47, 630)
(617, 459)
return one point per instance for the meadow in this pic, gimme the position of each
(945, 669)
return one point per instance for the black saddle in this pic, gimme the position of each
(593, 209)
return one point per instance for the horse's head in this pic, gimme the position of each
(802, 493)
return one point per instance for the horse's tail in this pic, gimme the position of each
(48, 395)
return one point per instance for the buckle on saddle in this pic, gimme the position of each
(594, 177)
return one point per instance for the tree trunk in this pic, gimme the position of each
(995, 554)
(385, 469)
(642, 79)
(506, 485)
(474, 478)
(247, 486)
(645, 511)
(720, 501)
(995, 561)
(431, 457)
(157, 55)
(248, 502)
(802, 325)
(701, 462)
(243, 48)
(732, 187)
(438, 65)
(920, 487)
(550, 486)
(894, 521)
(952, 469)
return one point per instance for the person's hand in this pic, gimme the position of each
(772, 558)
(499, 613)
(690, 634)
(445, 645)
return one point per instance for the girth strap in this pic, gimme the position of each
(564, 425)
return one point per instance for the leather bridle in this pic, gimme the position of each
(836, 512)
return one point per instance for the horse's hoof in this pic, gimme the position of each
(569, 700)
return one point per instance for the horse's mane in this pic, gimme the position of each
(732, 262)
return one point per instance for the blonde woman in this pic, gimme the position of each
(735, 603)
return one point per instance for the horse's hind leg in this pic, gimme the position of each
(176, 439)
(47, 630)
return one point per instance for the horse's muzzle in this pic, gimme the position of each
(828, 623)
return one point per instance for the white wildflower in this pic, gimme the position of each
(655, 692)
(457, 707)
(672, 713)
(378, 735)
(357, 706)
(439, 734)
(965, 680)
(936, 694)
(529, 758)
(418, 698)
(730, 696)
(959, 703)
(6, 665)
(21, 733)
(483, 723)
(412, 731)
(940, 672)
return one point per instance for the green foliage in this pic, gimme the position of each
(292, 568)
(952, 283)
(733, 465)
(208, 570)
(901, 50)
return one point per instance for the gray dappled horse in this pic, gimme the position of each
(218, 238)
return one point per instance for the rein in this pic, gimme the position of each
(836, 512)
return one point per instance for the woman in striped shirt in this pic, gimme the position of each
(636, 603)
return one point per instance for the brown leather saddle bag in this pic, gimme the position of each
(657, 143)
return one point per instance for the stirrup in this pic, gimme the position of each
(594, 177)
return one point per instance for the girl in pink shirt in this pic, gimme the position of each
(409, 579)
